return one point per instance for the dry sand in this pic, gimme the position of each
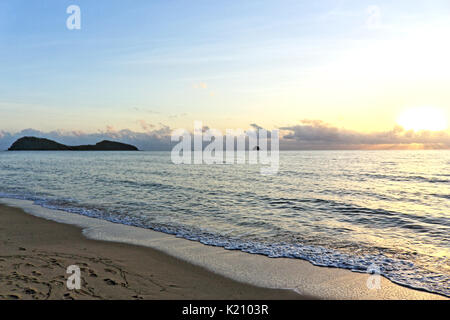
(34, 255)
(35, 252)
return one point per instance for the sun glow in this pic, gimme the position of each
(424, 118)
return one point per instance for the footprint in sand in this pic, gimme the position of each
(30, 291)
(92, 274)
(110, 282)
(110, 271)
(68, 296)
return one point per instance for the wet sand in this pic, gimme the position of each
(34, 255)
(124, 262)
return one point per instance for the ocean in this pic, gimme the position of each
(387, 211)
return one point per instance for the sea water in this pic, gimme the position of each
(359, 210)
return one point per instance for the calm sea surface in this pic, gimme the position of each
(350, 209)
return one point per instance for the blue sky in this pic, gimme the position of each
(144, 65)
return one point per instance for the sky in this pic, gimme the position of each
(330, 74)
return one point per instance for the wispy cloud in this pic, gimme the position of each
(200, 85)
(145, 125)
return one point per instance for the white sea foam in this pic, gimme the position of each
(290, 274)
(338, 209)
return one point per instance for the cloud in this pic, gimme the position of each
(255, 126)
(145, 110)
(200, 85)
(179, 115)
(145, 125)
(315, 134)
(155, 139)
(204, 86)
(307, 135)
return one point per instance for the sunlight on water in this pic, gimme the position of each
(334, 208)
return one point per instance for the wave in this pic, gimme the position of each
(413, 178)
(400, 271)
(444, 196)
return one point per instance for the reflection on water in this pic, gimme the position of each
(348, 209)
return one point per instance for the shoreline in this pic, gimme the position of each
(234, 270)
(35, 253)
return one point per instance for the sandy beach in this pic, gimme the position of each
(35, 253)
(296, 151)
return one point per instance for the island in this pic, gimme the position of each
(42, 144)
